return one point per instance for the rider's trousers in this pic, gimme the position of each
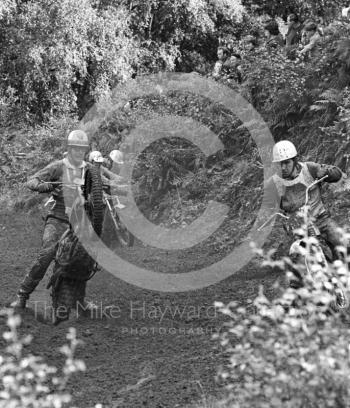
(53, 231)
(328, 229)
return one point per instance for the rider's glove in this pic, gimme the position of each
(322, 171)
(57, 191)
(45, 187)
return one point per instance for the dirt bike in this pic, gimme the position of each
(310, 249)
(124, 236)
(74, 266)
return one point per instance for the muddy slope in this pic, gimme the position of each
(151, 349)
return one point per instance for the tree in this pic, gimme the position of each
(56, 53)
(327, 9)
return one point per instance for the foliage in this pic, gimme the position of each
(60, 57)
(184, 26)
(327, 9)
(55, 54)
(27, 381)
(274, 84)
(288, 90)
(295, 97)
(338, 131)
(78, 51)
(293, 351)
(172, 163)
(25, 150)
(6, 8)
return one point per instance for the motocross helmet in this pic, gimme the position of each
(116, 156)
(96, 156)
(78, 138)
(283, 150)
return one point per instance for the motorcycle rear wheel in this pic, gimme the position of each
(68, 296)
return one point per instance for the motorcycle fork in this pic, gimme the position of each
(112, 215)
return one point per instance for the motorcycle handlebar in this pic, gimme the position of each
(271, 218)
(306, 200)
(311, 185)
(60, 183)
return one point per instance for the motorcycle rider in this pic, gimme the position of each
(47, 180)
(108, 175)
(113, 183)
(288, 192)
(115, 160)
(96, 157)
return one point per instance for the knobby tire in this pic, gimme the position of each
(93, 194)
(71, 290)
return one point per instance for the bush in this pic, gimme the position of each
(58, 58)
(294, 351)
(27, 381)
(304, 9)
(60, 55)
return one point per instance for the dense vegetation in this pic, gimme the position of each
(59, 58)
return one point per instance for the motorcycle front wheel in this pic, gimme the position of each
(342, 301)
(93, 194)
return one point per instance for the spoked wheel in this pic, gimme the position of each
(68, 296)
(93, 195)
(341, 301)
(73, 267)
(125, 237)
(73, 264)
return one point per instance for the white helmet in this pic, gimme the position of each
(96, 157)
(283, 150)
(116, 156)
(78, 138)
(345, 12)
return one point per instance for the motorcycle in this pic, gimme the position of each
(73, 265)
(124, 236)
(310, 249)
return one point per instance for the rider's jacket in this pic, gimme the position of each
(60, 171)
(289, 195)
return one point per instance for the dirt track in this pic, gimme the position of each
(136, 358)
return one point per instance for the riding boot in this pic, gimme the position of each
(52, 232)
(27, 287)
(20, 302)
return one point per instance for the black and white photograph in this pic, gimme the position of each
(174, 204)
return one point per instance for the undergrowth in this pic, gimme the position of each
(27, 381)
